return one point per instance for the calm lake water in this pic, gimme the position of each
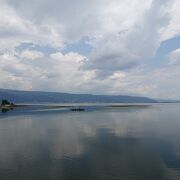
(106, 144)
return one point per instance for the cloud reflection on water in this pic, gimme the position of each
(128, 144)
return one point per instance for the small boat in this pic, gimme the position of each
(77, 109)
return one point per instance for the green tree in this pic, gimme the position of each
(5, 102)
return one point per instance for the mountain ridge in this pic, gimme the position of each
(23, 96)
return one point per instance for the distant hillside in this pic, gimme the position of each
(55, 97)
(167, 101)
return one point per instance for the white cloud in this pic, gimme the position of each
(16, 29)
(123, 35)
(31, 54)
(120, 51)
(57, 72)
(175, 57)
(63, 72)
(173, 28)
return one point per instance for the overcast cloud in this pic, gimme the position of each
(123, 38)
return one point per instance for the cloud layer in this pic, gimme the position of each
(124, 37)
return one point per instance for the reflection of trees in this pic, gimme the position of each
(4, 110)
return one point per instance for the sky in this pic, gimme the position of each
(129, 47)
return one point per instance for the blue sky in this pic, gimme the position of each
(98, 46)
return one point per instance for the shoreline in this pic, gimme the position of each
(52, 106)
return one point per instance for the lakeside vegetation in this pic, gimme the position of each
(6, 104)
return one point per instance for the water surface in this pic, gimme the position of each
(111, 143)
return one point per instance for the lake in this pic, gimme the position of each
(135, 143)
